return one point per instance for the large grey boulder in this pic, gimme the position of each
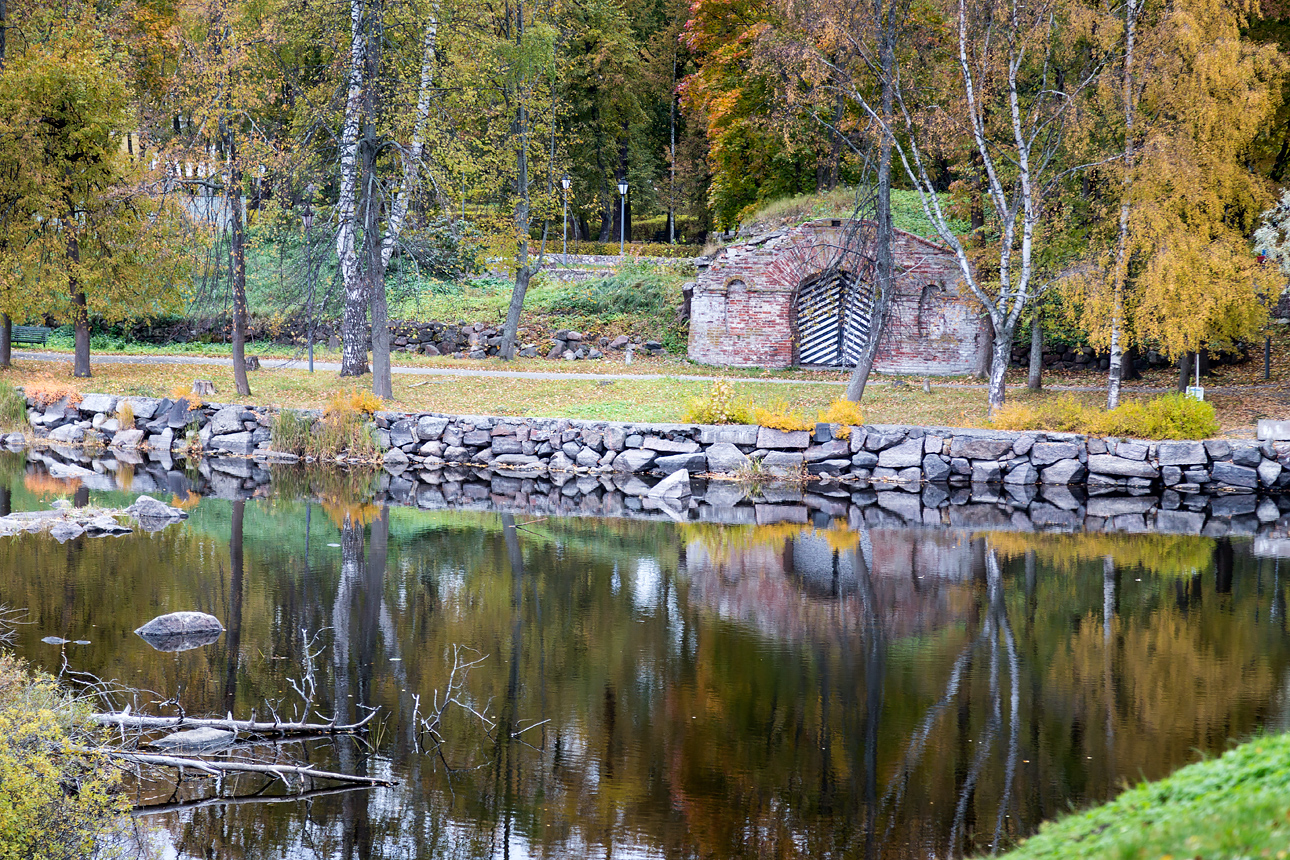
(180, 631)
(1120, 467)
(904, 455)
(935, 468)
(1235, 476)
(1269, 471)
(724, 458)
(127, 440)
(1062, 472)
(429, 427)
(980, 447)
(226, 420)
(98, 403)
(148, 508)
(633, 460)
(674, 486)
(677, 462)
(670, 446)
(234, 443)
(782, 463)
(769, 437)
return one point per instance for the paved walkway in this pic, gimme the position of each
(334, 367)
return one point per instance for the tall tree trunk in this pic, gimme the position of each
(884, 268)
(523, 216)
(233, 641)
(1184, 371)
(237, 257)
(80, 315)
(1036, 379)
(353, 323)
(1120, 275)
(999, 365)
(6, 324)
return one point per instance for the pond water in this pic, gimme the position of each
(651, 688)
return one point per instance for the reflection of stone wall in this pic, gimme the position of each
(805, 586)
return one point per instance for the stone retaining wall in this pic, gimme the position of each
(904, 457)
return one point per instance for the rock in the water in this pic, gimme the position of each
(180, 631)
(148, 508)
(674, 486)
(195, 740)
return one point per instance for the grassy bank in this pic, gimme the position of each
(645, 399)
(1234, 806)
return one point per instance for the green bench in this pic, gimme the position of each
(29, 334)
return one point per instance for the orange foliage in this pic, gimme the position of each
(45, 394)
(42, 484)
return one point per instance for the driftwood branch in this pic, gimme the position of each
(215, 768)
(241, 800)
(125, 719)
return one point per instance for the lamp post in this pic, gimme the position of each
(564, 249)
(622, 216)
(307, 218)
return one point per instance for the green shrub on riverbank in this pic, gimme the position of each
(55, 801)
(1234, 806)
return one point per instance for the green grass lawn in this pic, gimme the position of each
(1230, 807)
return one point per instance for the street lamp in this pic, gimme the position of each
(564, 250)
(622, 216)
(307, 218)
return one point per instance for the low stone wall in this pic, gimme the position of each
(901, 456)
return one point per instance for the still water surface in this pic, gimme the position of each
(668, 690)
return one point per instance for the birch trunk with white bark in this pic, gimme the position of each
(353, 323)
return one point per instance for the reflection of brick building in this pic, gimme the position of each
(763, 303)
(805, 585)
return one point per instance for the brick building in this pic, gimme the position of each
(797, 296)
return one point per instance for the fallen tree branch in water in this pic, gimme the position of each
(240, 800)
(126, 720)
(282, 771)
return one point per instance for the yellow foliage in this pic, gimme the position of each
(1172, 416)
(41, 484)
(125, 414)
(847, 413)
(722, 405)
(1166, 555)
(41, 733)
(45, 394)
(186, 502)
(781, 416)
(182, 391)
(353, 402)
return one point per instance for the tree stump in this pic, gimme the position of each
(203, 387)
(252, 362)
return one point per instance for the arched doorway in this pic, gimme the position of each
(831, 319)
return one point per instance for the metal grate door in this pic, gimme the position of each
(832, 320)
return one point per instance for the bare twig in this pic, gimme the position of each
(282, 771)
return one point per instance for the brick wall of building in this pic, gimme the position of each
(741, 313)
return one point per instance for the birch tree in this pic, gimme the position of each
(364, 247)
(1019, 70)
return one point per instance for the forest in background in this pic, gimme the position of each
(1111, 161)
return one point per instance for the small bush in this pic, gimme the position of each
(56, 801)
(722, 405)
(781, 416)
(124, 414)
(1172, 416)
(13, 406)
(179, 391)
(363, 403)
(844, 412)
(45, 394)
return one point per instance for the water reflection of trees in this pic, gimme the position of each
(807, 693)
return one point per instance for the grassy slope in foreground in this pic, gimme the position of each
(1234, 806)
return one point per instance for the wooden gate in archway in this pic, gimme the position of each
(831, 313)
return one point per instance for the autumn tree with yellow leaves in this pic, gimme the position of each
(1187, 102)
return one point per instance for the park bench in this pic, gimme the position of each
(29, 334)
